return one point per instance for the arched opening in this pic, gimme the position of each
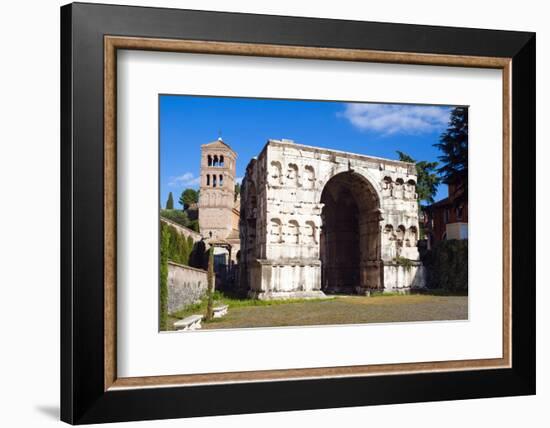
(350, 235)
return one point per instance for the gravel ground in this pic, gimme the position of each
(347, 310)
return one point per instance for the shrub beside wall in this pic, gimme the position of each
(164, 249)
(447, 266)
(180, 247)
(174, 247)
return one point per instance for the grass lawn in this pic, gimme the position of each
(336, 310)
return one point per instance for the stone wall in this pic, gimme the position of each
(186, 285)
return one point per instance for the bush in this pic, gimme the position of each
(177, 216)
(164, 248)
(447, 266)
(179, 247)
(403, 261)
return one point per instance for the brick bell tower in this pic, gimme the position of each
(217, 190)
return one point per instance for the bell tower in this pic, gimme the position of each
(217, 190)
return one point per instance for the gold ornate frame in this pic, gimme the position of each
(114, 43)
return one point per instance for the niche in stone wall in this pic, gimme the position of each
(399, 238)
(310, 233)
(292, 174)
(412, 237)
(388, 241)
(275, 173)
(398, 188)
(386, 187)
(293, 232)
(309, 177)
(275, 231)
(410, 189)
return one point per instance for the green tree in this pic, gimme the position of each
(164, 249)
(194, 225)
(196, 258)
(211, 285)
(170, 202)
(454, 145)
(427, 178)
(188, 197)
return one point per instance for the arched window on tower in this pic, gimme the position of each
(221, 160)
(215, 160)
(208, 179)
(221, 180)
(214, 180)
(209, 160)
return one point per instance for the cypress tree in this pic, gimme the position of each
(170, 202)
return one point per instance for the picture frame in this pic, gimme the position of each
(91, 391)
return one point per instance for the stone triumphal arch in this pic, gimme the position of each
(316, 221)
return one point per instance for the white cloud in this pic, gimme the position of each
(186, 179)
(390, 119)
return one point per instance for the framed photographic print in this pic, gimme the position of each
(265, 213)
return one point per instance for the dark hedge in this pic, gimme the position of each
(447, 266)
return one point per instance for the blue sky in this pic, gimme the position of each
(246, 124)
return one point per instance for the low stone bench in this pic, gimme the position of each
(220, 311)
(192, 322)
